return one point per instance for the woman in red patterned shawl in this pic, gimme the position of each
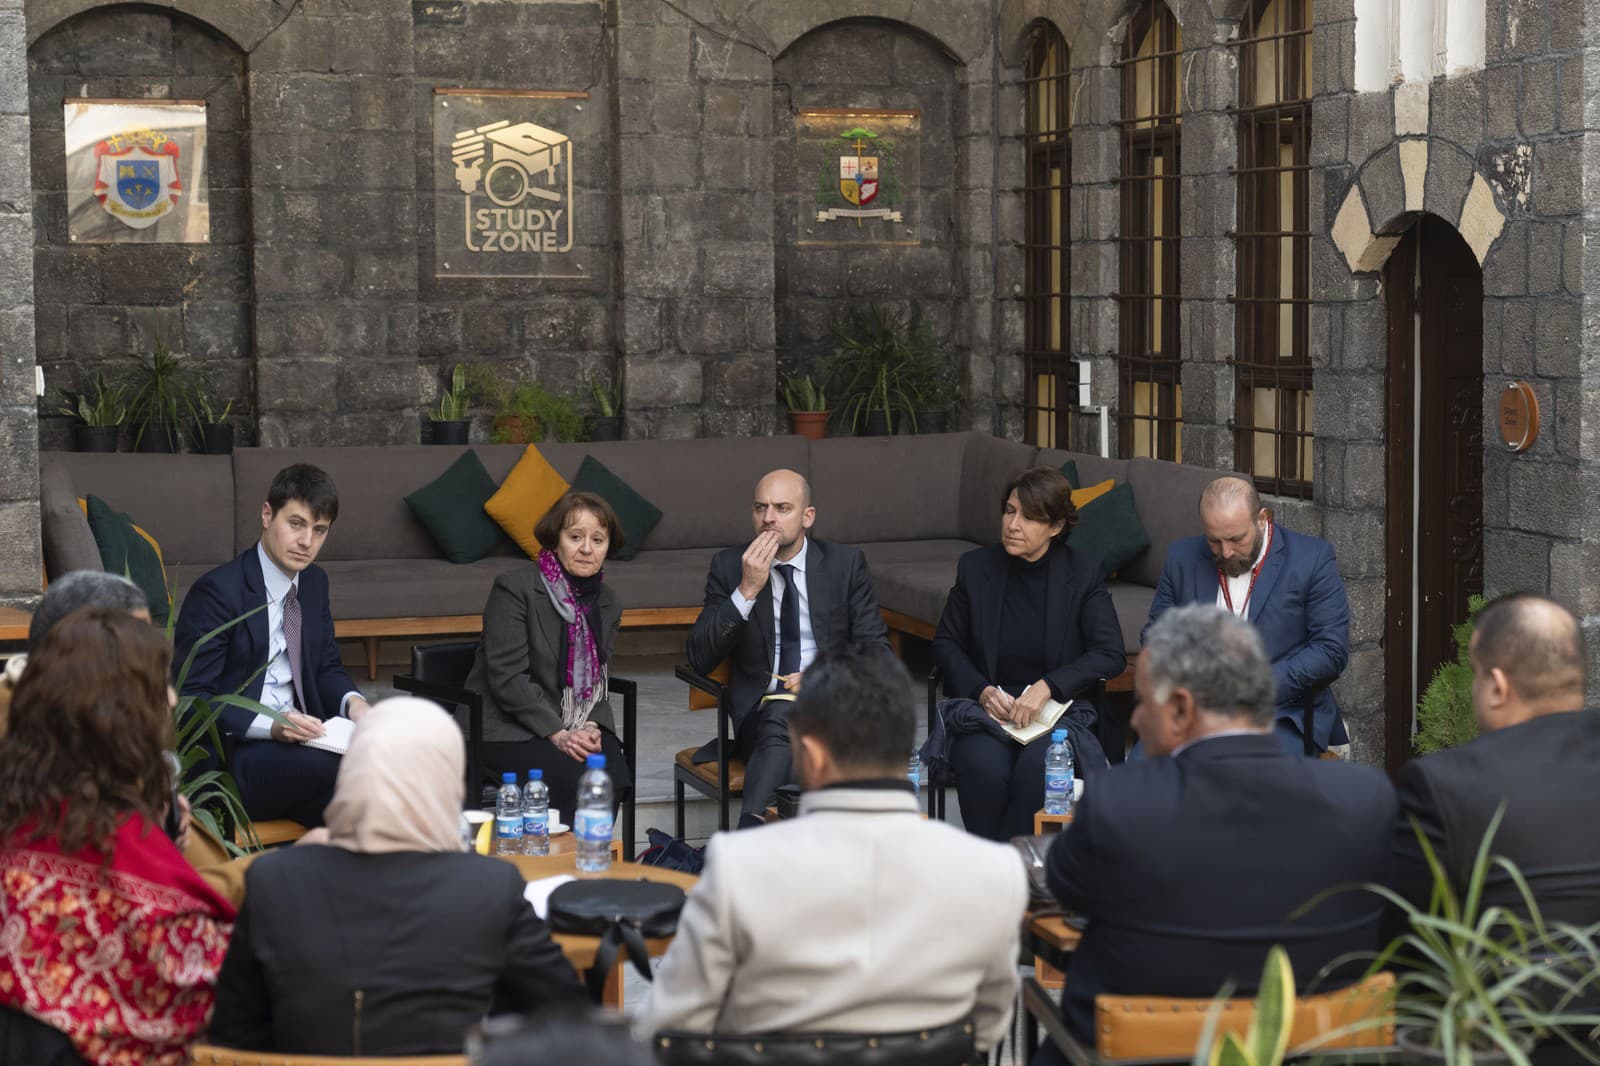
(106, 933)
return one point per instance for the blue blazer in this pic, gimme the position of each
(239, 655)
(1300, 607)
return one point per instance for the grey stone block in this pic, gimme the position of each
(1558, 343)
(284, 385)
(21, 561)
(1544, 266)
(1558, 176)
(1540, 495)
(1354, 535)
(1539, 100)
(1517, 336)
(658, 381)
(712, 328)
(1514, 562)
(216, 331)
(1502, 97)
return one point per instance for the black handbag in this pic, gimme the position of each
(622, 914)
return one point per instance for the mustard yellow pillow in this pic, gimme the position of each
(523, 498)
(1090, 493)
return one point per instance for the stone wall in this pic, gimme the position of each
(21, 564)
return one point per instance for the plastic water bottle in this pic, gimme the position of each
(536, 815)
(1058, 775)
(508, 817)
(914, 772)
(591, 821)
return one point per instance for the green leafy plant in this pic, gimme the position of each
(800, 393)
(1444, 714)
(606, 392)
(879, 365)
(161, 388)
(204, 411)
(1267, 1039)
(101, 405)
(454, 401)
(514, 395)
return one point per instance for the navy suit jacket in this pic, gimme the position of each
(1189, 868)
(1300, 608)
(229, 660)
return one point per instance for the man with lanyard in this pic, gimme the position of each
(1288, 585)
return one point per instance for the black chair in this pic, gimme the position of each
(25, 1039)
(722, 780)
(439, 673)
(949, 1045)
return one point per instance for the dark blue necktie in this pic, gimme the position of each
(788, 623)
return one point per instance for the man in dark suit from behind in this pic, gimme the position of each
(769, 608)
(1539, 754)
(303, 679)
(1190, 864)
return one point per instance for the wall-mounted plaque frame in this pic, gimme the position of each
(860, 175)
(1519, 416)
(136, 171)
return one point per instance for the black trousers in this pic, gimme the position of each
(763, 743)
(561, 771)
(279, 780)
(1000, 783)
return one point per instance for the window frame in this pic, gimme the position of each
(1050, 374)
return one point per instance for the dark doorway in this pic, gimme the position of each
(1434, 531)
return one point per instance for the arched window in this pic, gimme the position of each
(1051, 375)
(1272, 301)
(1150, 395)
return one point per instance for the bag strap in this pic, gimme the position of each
(617, 934)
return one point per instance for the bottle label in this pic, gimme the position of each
(592, 825)
(1058, 783)
(506, 828)
(535, 825)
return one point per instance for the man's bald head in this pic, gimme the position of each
(1228, 493)
(787, 483)
(783, 506)
(1533, 647)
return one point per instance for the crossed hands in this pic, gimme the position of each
(578, 743)
(1015, 710)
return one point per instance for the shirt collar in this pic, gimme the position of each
(276, 581)
(799, 560)
(875, 784)
(1219, 734)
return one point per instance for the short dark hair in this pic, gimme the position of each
(1046, 496)
(513, 1040)
(1537, 642)
(83, 588)
(857, 700)
(548, 531)
(309, 484)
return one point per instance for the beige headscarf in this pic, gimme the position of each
(400, 785)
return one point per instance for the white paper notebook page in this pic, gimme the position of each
(336, 734)
(538, 892)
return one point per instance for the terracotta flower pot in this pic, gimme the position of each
(515, 429)
(812, 425)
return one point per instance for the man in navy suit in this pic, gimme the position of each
(1288, 585)
(284, 656)
(1190, 864)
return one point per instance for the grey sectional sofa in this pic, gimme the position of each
(913, 504)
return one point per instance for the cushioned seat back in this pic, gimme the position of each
(1167, 497)
(184, 501)
(444, 663)
(888, 488)
(948, 1045)
(987, 464)
(1091, 468)
(1158, 1027)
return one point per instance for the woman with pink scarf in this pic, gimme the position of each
(548, 633)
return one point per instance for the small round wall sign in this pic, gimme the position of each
(1519, 416)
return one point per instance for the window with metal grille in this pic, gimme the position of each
(1272, 305)
(1050, 374)
(1150, 390)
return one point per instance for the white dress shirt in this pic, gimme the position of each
(1239, 590)
(277, 684)
(808, 641)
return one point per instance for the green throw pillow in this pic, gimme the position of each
(450, 508)
(1109, 527)
(1070, 469)
(123, 551)
(637, 514)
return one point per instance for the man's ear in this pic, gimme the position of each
(1184, 711)
(814, 764)
(266, 515)
(808, 517)
(1500, 692)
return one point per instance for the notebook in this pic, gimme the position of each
(1048, 717)
(336, 734)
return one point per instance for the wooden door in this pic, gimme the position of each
(1434, 528)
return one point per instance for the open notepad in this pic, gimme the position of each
(1053, 710)
(336, 734)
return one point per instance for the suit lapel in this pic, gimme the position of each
(255, 627)
(1203, 577)
(819, 594)
(763, 616)
(546, 625)
(1271, 570)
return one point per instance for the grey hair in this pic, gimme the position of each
(1219, 658)
(1227, 490)
(83, 588)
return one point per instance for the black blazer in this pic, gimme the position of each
(228, 660)
(517, 667)
(843, 610)
(1083, 638)
(1547, 772)
(430, 942)
(1189, 868)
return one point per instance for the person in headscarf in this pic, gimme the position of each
(388, 939)
(548, 633)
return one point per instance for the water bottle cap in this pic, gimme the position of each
(535, 775)
(509, 779)
(1058, 737)
(595, 762)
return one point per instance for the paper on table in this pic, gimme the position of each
(336, 734)
(538, 892)
(1049, 715)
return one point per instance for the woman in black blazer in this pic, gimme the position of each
(388, 939)
(1028, 621)
(548, 633)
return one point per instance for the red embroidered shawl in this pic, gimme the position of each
(122, 958)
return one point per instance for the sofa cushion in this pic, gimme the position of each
(450, 507)
(887, 488)
(1091, 469)
(1133, 608)
(401, 588)
(675, 577)
(987, 464)
(68, 543)
(1069, 470)
(185, 501)
(1083, 497)
(1109, 529)
(914, 577)
(636, 515)
(524, 497)
(1168, 498)
(132, 552)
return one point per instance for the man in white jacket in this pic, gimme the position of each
(859, 916)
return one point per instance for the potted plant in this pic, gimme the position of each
(808, 407)
(213, 431)
(607, 424)
(98, 412)
(161, 390)
(1266, 1040)
(449, 422)
(1444, 714)
(875, 369)
(938, 393)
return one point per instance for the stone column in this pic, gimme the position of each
(21, 563)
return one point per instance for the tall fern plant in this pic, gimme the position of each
(1444, 716)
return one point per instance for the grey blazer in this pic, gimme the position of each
(516, 668)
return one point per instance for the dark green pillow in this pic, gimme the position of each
(637, 514)
(1070, 469)
(450, 508)
(1109, 527)
(123, 551)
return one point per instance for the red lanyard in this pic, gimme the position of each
(1255, 572)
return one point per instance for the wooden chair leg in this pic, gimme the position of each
(677, 808)
(372, 658)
